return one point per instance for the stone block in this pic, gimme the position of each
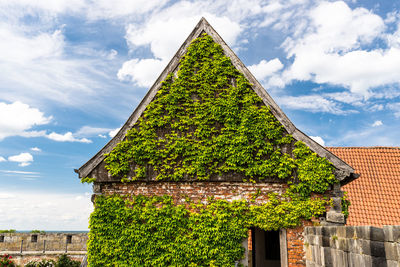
(391, 263)
(326, 257)
(326, 241)
(335, 217)
(355, 260)
(391, 251)
(341, 231)
(377, 249)
(379, 261)
(325, 231)
(362, 232)
(392, 233)
(354, 246)
(318, 230)
(337, 204)
(339, 258)
(310, 264)
(377, 234)
(342, 244)
(350, 231)
(316, 254)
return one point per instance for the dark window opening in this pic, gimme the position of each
(33, 238)
(1, 238)
(272, 247)
(69, 239)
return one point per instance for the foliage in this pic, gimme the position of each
(7, 231)
(38, 232)
(6, 261)
(154, 231)
(62, 261)
(88, 180)
(205, 121)
(42, 263)
(345, 204)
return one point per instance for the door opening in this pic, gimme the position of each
(266, 248)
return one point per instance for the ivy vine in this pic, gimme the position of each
(205, 121)
(153, 231)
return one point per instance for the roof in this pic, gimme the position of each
(375, 195)
(346, 172)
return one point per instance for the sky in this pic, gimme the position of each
(73, 71)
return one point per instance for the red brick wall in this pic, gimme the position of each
(196, 190)
(295, 243)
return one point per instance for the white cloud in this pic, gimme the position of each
(20, 172)
(313, 103)
(23, 210)
(2, 159)
(91, 131)
(17, 118)
(318, 139)
(114, 132)
(102, 136)
(164, 32)
(24, 159)
(330, 49)
(36, 149)
(67, 137)
(143, 72)
(265, 68)
(395, 107)
(377, 123)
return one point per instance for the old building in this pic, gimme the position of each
(236, 181)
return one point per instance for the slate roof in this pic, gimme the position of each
(345, 173)
(375, 195)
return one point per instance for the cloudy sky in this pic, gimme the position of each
(73, 71)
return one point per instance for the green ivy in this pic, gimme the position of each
(153, 231)
(205, 121)
(345, 204)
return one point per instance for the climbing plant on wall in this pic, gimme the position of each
(204, 121)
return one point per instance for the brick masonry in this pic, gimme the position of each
(200, 191)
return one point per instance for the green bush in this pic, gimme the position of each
(6, 261)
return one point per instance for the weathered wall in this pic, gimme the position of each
(353, 246)
(200, 191)
(197, 191)
(47, 246)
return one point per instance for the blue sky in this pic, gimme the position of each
(73, 71)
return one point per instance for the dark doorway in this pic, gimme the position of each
(266, 248)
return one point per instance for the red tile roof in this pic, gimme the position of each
(375, 195)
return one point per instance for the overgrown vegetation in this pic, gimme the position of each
(38, 232)
(154, 231)
(62, 261)
(205, 121)
(7, 231)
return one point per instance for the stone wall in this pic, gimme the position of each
(26, 247)
(353, 246)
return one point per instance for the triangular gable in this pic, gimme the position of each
(345, 173)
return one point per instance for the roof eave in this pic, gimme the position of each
(204, 26)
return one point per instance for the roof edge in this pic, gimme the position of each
(204, 26)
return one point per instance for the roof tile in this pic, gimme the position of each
(375, 195)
